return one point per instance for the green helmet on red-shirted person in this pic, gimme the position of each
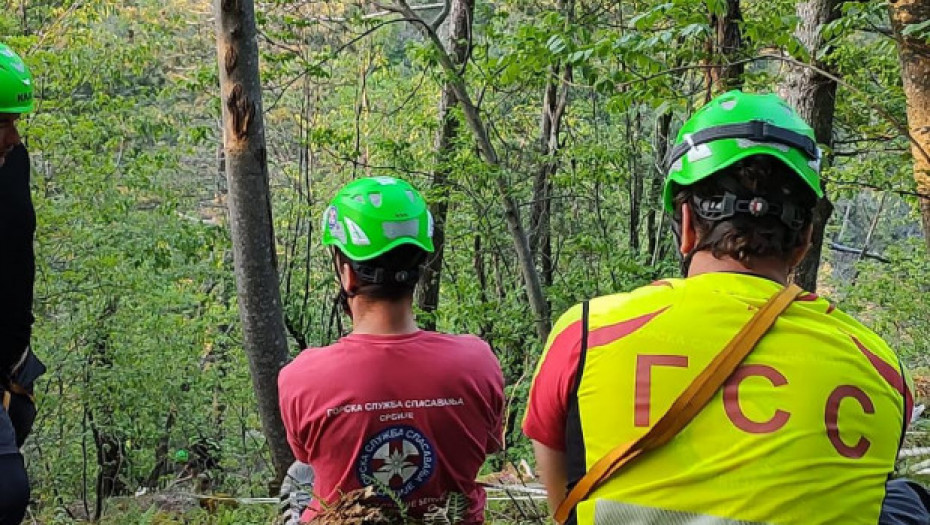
(371, 216)
(737, 125)
(16, 90)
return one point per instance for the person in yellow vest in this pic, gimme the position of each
(807, 428)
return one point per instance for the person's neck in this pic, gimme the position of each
(705, 262)
(374, 317)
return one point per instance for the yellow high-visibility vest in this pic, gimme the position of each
(806, 431)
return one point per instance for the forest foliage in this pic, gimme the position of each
(136, 298)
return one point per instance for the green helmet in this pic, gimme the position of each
(371, 216)
(15, 83)
(734, 126)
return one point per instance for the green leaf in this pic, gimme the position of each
(921, 30)
(556, 44)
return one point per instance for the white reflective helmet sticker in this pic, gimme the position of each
(331, 223)
(356, 234)
(746, 143)
(697, 151)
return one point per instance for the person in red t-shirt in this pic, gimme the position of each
(389, 405)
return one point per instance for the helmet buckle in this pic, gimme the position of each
(757, 131)
(758, 207)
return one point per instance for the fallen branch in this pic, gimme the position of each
(858, 251)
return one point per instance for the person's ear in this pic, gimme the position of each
(688, 234)
(348, 278)
(800, 251)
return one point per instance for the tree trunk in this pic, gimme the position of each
(723, 50)
(487, 323)
(112, 461)
(161, 453)
(250, 216)
(457, 42)
(915, 73)
(660, 145)
(555, 100)
(814, 97)
(636, 181)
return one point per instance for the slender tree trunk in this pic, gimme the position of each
(112, 461)
(723, 50)
(845, 224)
(540, 208)
(250, 216)
(457, 42)
(915, 73)
(531, 279)
(555, 101)
(161, 453)
(868, 237)
(814, 97)
(487, 324)
(25, 17)
(637, 184)
(660, 145)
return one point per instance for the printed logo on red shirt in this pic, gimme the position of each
(399, 457)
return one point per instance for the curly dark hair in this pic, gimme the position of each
(404, 258)
(745, 237)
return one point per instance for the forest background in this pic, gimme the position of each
(536, 129)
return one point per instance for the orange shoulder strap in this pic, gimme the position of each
(688, 404)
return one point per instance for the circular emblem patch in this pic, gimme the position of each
(399, 458)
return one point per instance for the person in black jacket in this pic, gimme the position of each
(17, 265)
(18, 366)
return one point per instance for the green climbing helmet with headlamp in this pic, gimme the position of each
(371, 216)
(736, 125)
(16, 92)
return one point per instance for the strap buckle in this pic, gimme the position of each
(721, 207)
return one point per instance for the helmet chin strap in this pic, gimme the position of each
(366, 274)
(341, 301)
(335, 317)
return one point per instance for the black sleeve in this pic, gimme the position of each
(17, 258)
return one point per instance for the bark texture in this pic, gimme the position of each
(250, 221)
(814, 97)
(915, 74)
(555, 101)
(723, 51)
(457, 41)
(661, 141)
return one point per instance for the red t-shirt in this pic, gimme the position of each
(416, 412)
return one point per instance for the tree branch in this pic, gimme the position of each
(878, 188)
(446, 7)
(863, 96)
(858, 251)
(333, 55)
